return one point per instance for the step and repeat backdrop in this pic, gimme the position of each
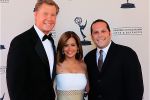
(128, 20)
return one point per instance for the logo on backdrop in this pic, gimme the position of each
(78, 21)
(2, 98)
(2, 47)
(2, 69)
(127, 5)
(127, 31)
(4, 1)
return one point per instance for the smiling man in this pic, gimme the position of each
(31, 58)
(114, 70)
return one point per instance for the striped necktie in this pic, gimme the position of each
(100, 60)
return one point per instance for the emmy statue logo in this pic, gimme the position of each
(127, 5)
(2, 97)
(2, 47)
(78, 21)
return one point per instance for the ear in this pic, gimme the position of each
(62, 52)
(35, 13)
(78, 50)
(91, 36)
(110, 33)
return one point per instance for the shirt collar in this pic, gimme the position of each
(105, 50)
(39, 32)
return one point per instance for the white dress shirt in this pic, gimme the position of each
(48, 48)
(105, 50)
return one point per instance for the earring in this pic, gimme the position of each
(78, 51)
(62, 52)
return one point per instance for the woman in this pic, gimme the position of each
(71, 79)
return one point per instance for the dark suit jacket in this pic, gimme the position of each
(28, 72)
(120, 77)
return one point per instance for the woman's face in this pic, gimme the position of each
(70, 48)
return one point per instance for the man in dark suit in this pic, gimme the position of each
(31, 58)
(114, 73)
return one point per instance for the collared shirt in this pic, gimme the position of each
(105, 50)
(48, 48)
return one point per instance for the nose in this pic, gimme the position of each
(100, 34)
(49, 17)
(69, 48)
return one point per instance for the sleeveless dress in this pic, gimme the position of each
(70, 86)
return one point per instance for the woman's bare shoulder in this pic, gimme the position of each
(58, 67)
(58, 64)
(82, 62)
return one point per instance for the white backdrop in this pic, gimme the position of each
(130, 27)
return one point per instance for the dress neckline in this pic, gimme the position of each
(71, 73)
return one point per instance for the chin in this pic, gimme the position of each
(100, 46)
(70, 56)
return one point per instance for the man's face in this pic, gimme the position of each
(45, 18)
(101, 36)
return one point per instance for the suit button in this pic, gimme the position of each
(99, 96)
(98, 81)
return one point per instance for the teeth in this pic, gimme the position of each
(100, 40)
(48, 23)
(69, 52)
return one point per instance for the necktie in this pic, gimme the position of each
(50, 39)
(100, 60)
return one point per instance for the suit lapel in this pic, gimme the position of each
(39, 48)
(54, 66)
(109, 57)
(93, 59)
(41, 52)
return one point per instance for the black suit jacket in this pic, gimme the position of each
(120, 77)
(28, 72)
